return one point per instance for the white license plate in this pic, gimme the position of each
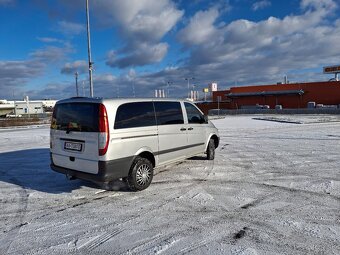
(73, 146)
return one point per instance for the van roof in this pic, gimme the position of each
(116, 100)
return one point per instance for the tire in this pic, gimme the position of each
(141, 174)
(211, 150)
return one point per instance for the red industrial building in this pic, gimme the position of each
(289, 96)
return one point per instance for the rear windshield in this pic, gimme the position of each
(81, 117)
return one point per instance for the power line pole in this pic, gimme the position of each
(76, 75)
(89, 47)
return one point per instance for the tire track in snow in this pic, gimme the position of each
(193, 247)
(79, 202)
(156, 245)
(98, 241)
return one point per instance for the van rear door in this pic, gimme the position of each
(74, 136)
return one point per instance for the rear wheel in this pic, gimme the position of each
(211, 150)
(141, 174)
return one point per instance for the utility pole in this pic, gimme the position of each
(76, 76)
(89, 47)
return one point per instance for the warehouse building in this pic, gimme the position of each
(289, 96)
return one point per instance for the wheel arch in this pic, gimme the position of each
(216, 140)
(148, 155)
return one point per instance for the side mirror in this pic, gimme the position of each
(206, 119)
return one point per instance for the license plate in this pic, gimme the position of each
(73, 146)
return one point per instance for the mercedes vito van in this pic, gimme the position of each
(102, 140)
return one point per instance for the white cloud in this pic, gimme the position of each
(51, 53)
(49, 40)
(261, 5)
(80, 66)
(70, 28)
(146, 19)
(200, 29)
(20, 69)
(143, 54)
(14, 75)
(318, 4)
(142, 23)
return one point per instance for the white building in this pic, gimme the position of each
(28, 107)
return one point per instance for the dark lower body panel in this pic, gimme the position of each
(107, 170)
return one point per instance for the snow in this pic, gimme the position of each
(274, 188)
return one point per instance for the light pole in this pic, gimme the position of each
(89, 46)
(76, 76)
(188, 79)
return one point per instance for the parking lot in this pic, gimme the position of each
(273, 188)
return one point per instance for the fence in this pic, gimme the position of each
(214, 112)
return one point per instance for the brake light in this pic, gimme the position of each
(104, 133)
(54, 118)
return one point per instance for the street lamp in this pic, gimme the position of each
(89, 46)
(188, 79)
(76, 76)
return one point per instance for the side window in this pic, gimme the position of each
(168, 113)
(132, 115)
(194, 115)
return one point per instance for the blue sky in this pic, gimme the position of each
(144, 44)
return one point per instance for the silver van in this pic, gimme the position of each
(102, 140)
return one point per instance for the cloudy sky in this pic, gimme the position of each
(142, 45)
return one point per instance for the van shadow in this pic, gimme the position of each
(200, 157)
(31, 169)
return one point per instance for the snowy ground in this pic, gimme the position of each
(274, 188)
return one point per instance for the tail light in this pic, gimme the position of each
(54, 118)
(53, 125)
(104, 133)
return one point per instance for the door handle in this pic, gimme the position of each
(183, 129)
(190, 128)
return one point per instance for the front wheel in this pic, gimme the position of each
(141, 174)
(211, 150)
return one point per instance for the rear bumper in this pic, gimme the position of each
(107, 170)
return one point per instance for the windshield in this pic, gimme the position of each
(82, 117)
